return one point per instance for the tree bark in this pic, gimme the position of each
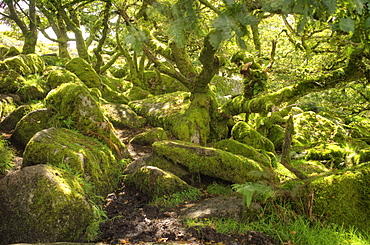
(285, 157)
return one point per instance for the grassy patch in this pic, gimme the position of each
(177, 198)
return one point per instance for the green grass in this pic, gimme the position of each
(177, 198)
(6, 156)
(299, 231)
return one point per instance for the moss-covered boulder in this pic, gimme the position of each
(84, 72)
(13, 51)
(343, 197)
(41, 204)
(225, 88)
(33, 88)
(10, 121)
(150, 136)
(29, 125)
(136, 93)
(244, 133)
(332, 155)
(34, 62)
(258, 155)
(60, 76)
(10, 81)
(17, 64)
(312, 129)
(85, 156)
(122, 116)
(160, 110)
(155, 182)
(211, 162)
(74, 104)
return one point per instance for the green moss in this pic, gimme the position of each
(122, 116)
(313, 129)
(43, 204)
(160, 110)
(309, 167)
(34, 62)
(11, 120)
(244, 133)
(155, 182)
(332, 154)
(10, 81)
(74, 101)
(58, 77)
(209, 161)
(343, 198)
(247, 151)
(136, 93)
(149, 137)
(84, 156)
(162, 83)
(84, 72)
(32, 88)
(30, 124)
(17, 64)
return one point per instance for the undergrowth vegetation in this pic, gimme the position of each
(6, 156)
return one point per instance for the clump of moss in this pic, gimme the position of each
(244, 133)
(247, 151)
(331, 154)
(84, 72)
(155, 182)
(211, 162)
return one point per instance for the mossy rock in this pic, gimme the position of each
(10, 121)
(10, 81)
(136, 93)
(84, 156)
(359, 129)
(17, 64)
(32, 89)
(34, 62)
(7, 105)
(160, 110)
(74, 104)
(225, 88)
(113, 96)
(159, 162)
(155, 182)
(122, 116)
(331, 154)
(162, 83)
(310, 167)
(60, 76)
(244, 133)
(343, 197)
(84, 72)
(312, 129)
(149, 137)
(118, 71)
(42, 204)
(3, 51)
(13, 51)
(29, 125)
(211, 162)
(235, 147)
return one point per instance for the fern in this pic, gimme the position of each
(250, 189)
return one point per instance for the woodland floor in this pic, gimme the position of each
(132, 220)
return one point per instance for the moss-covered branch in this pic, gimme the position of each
(263, 104)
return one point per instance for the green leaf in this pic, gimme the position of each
(347, 25)
(367, 23)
